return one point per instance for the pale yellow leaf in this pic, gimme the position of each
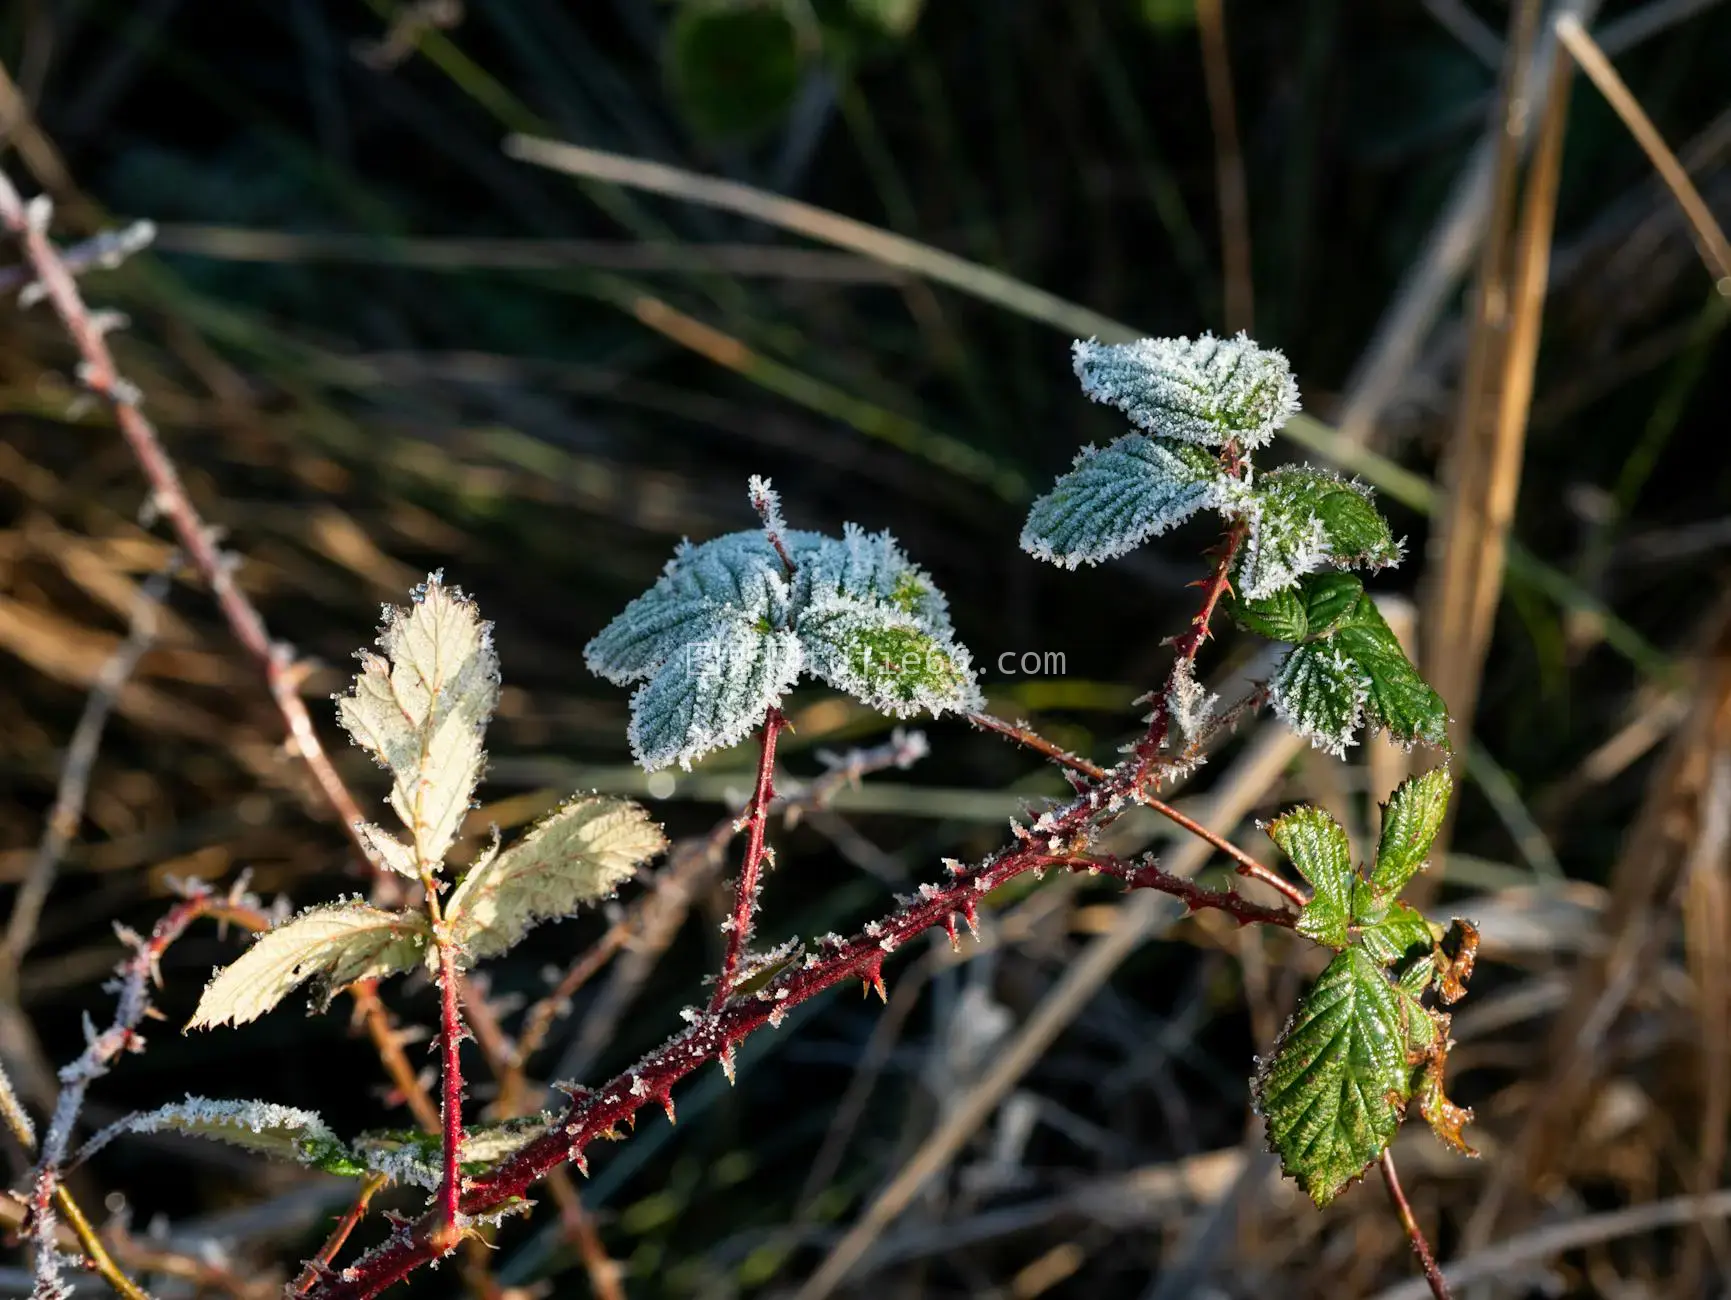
(580, 853)
(421, 709)
(386, 850)
(334, 945)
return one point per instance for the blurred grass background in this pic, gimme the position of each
(377, 345)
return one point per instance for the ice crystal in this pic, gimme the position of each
(1320, 694)
(1205, 391)
(1116, 498)
(284, 1132)
(1188, 703)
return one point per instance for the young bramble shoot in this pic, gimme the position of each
(1347, 1064)
(726, 631)
(421, 709)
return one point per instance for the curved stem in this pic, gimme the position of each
(1242, 862)
(1433, 1276)
(1028, 738)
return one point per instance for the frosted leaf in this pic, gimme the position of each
(281, 1132)
(724, 633)
(1303, 518)
(868, 567)
(712, 692)
(414, 1158)
(703, 589)
(333, 945)
(886, 658)
(386, 850)
(577, 854)
(1397, 698)
(1205, 391)
(422, 708)
(1320, 694)
(1116, 498)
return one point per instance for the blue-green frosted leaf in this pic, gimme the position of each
(1116, 498)
(1206, 391)
(868, 568)
(1333, 1092)
(712, 692)
(703, 590)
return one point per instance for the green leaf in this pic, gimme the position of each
(1302, 519)
(1410, 821)
(1396, 697)
(1389, 929)
(1280, 617)
(1326, 688)
(414, 1158)
(421, 710)
(1333, 1092)
(1319, 849)
(1309, 611)
(1117, 497)
(1319, 692)
(734, 67)
(582, 852)
(334, 946)
(1329, 600)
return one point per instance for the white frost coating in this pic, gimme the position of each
(1116, 498)
(286, 1132)
(1301, 519)
(767, 502)
(723, 634)
(1205, 390)
(711, 693)
(1319, 692)
(1188, 703)
(888, 659)
(415, 1159)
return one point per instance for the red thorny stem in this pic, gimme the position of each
(448, 1230)
(1433, 1276)
(751, 866)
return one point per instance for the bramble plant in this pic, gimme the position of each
(714, 646)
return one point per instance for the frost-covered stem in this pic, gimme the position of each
(99, 374)
(451, 1095)
(1242, 862)
(1433, 1275)
(1028, 738)
(339, 1234)
(1189, 645)
(751, 865)
(136, 975)
(711, 1035)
